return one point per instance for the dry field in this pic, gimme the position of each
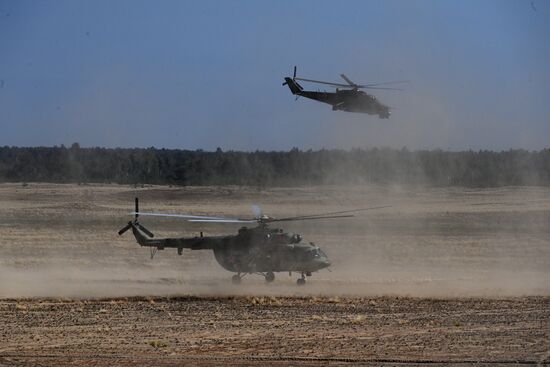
(442, 276)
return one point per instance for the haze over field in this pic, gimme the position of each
(60, 240)
(450, 264)
(207, 74)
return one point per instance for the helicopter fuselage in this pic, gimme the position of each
(349, 100)
(252, 250)
(259, 250)
(269, 250)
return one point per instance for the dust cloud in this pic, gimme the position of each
(61, 241)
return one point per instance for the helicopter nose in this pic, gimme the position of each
(324, 263)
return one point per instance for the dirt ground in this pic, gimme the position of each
(266, 330)
(442, 276)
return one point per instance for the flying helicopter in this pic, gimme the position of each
(350, 98)
(258, 250)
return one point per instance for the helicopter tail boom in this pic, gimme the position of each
(193, 243)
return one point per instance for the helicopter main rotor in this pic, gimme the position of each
(251, 251)
(351, 84)
(259, 218)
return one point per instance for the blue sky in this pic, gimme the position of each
(203, 74)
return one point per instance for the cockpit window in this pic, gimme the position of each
(313, 254)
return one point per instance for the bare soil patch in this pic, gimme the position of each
(271, 330)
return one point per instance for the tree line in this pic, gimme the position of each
(274, 168)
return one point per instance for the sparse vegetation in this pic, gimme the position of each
(272, 301)
(158, 344)
(358, 319)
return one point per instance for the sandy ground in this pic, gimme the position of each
(443, 275)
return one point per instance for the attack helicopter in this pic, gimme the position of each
(258, 250)
(350, 98)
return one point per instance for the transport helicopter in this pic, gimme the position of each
(350, 98)
(259, 250)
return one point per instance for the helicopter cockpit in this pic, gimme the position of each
(280, 238)
(315, 253)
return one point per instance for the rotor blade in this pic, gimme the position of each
(338, 212)
(127, 227)
(145, 230)
(352, 84)
(384, 83)
(136, 212)
(222, 221)
(312, 218)
(185, 216)
(380, 88)
(321, 82)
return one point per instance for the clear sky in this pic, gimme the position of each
(203, 74)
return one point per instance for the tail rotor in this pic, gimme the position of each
(145, 230)
(295, 88)
(293, 77)
(135, 223)
(136, 212)
(125, 228)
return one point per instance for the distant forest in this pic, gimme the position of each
(277, 168)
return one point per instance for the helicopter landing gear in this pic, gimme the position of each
(236, 279)
(269, 277)
(302, 280)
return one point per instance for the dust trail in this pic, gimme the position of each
(60, 241)
(93, 283)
